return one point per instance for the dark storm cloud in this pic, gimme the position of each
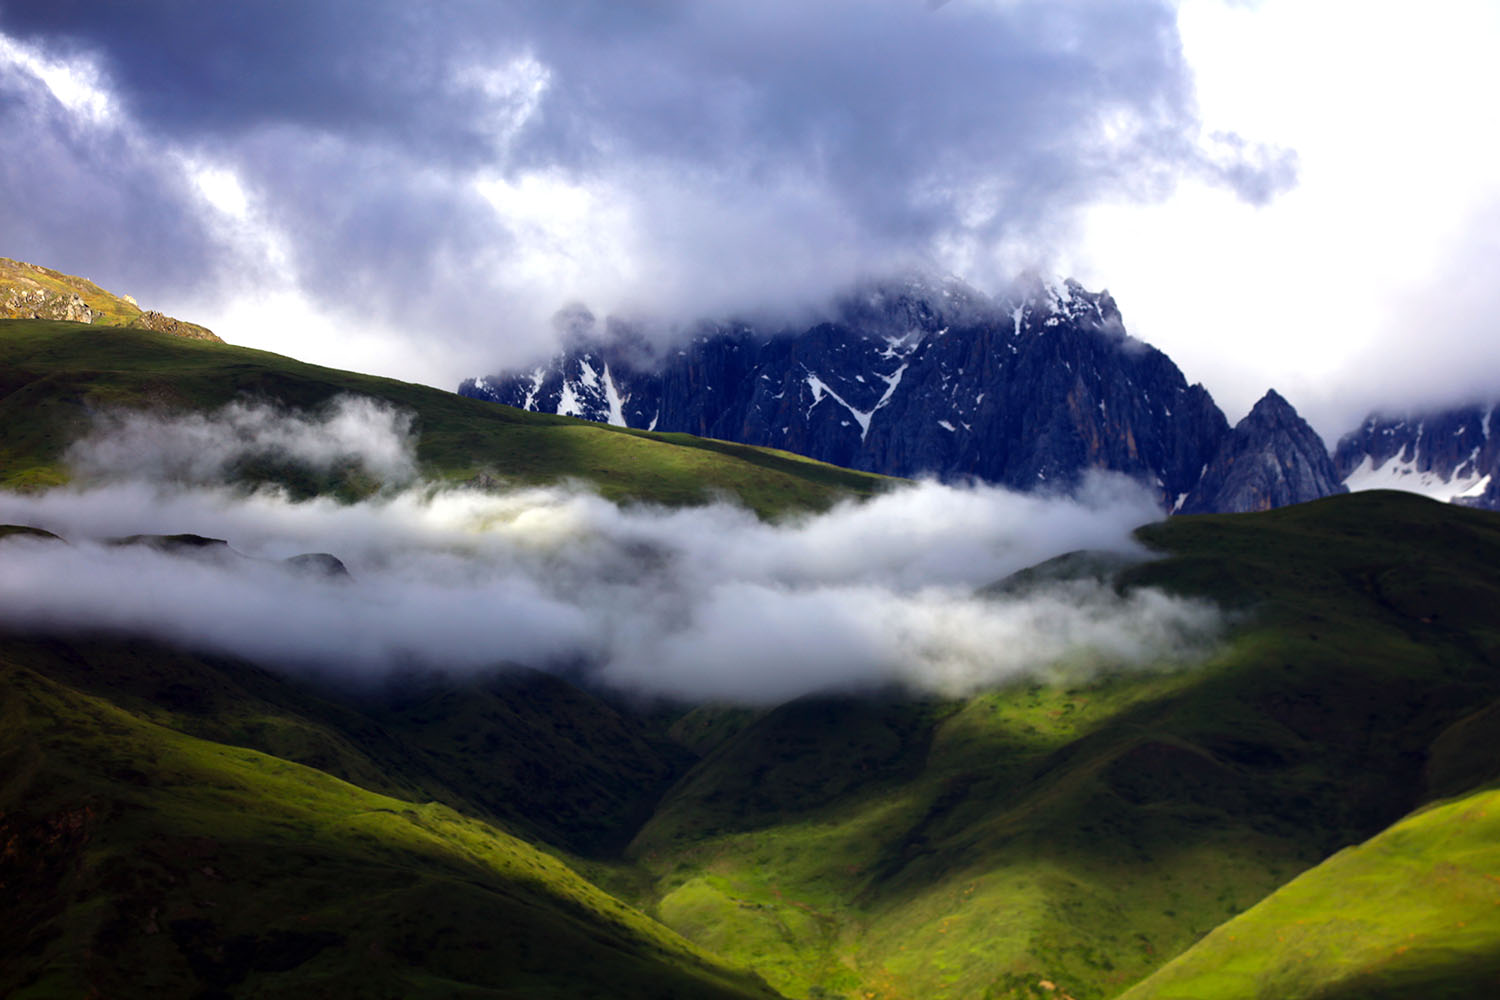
(90, 199)
(746, 150)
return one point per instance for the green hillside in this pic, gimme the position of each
(52, 375)
(138, 858)
(200, 826)
(1081, 834)
(1075, 833)
(1413, 912)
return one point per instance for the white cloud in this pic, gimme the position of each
(77, 84)
(1337, 292)
(704, 602)
(205, 448)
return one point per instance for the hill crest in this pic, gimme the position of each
(30, 291)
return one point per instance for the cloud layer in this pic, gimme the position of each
(205, 448)
(471, 167)
(704, 602)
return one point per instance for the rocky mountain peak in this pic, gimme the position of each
(1450, 454)
(912, 375)
(1272, 410)
(1272, 458)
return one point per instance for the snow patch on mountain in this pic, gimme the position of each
(1394, 474)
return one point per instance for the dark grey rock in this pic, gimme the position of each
(321, 565)
(1272, 458)
(910, 377)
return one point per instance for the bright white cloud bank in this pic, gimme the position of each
(705, 602)
(1370, 282)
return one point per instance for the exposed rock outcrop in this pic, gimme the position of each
(152, 320)
(41, 303)
(29, 291)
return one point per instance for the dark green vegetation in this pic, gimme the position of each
(158, 836)
(199, 826)
(52, 375)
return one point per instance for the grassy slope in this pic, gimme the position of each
(525, 750)
(1413, 912)
(53, 374)
(1083, 834)
(136, 857)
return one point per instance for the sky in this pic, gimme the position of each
(1291, 193)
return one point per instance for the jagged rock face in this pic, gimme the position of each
(907, 378)
(1272, 458)
(1445, 454)
(41, 303)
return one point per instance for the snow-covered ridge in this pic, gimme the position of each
(1395, 474)
(1447, 455)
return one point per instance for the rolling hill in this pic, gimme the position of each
(1414, 911)
(138, 857)
(53, 375)
(1081, 832)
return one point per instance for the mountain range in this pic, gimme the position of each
(929, 377)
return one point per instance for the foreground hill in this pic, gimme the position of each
(1082, 832)
(1415, 911)
(222, 827)
(140, 859)
(54, 375)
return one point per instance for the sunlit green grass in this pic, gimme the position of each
(1413, 912)
(1083, 833)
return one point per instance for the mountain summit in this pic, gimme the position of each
(911, 377)
(1447, 454)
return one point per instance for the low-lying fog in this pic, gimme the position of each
(704, 602)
